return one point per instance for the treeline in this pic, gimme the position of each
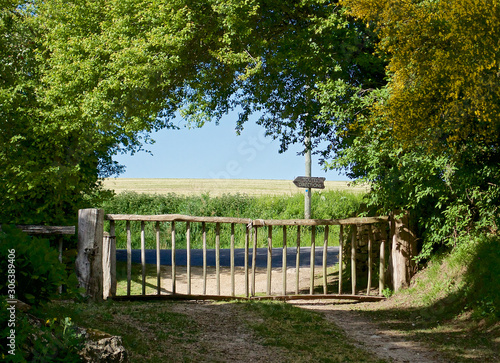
(325, 205)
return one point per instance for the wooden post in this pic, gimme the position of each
(297, 263)
(60, 241)
(158, 268)
(143, 257)
(254, 260)
(353, 259)
(188, 256)
(341, 257)
(247, 243)
(269, 258)
(307, 197)
(173, 259)
(129, 257)
(204, 238)
(89, 259)
(370, 245)
(108, 264)
(284, 260)
(312, 259)
(381, 268)
(402, 251)
(232, 261)
(325, 252)
(217, 256)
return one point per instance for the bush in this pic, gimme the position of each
(38, 272)
(51, 341)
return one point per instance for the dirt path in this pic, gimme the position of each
(386, 344)
(225, 337)
(234, 342)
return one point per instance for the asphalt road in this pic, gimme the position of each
(239, 257)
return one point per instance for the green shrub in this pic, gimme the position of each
(32, 273)
(51, 341)
(38, 272)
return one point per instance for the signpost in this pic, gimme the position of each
(309, 182)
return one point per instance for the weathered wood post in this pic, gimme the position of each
(88, 263)
(404, 248)
(109, 265)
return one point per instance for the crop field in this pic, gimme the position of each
(254, 199)
(216, 187)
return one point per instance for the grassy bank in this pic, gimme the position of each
(453, 305)
(325, 205)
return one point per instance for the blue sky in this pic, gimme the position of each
(216, 152)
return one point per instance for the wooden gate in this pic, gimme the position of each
(289, 230)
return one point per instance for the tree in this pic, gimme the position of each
(139, 60)
(429, 140)
(77, 88)
(444, 61)
(94, 78)
(294, 48)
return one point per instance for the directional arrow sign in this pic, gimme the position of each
(310, 182)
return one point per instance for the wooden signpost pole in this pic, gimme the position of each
(307, 197)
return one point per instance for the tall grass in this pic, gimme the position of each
(325, 205)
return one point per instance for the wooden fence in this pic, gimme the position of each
(47, 231)
(251, 228)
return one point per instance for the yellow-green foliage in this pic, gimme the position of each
(443, 66)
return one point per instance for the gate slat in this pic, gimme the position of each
(325, 252)
(173, 259)
(188, 256)
(254, 259)
(381, 268)
(247, 242)
(217, 256)
(129, 257)
(284, 260)
(297, 263)
(232, 260)
(204, 238)
(341, 257)
(370, 245)
(312, 259)
(158, 267)
(269, 258)
(143, 257)
(353, 259)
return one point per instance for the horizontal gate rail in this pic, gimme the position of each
(362, 298)
(251, 236)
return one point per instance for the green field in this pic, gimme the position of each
(217, 187)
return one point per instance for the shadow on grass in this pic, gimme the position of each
(462, 321)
